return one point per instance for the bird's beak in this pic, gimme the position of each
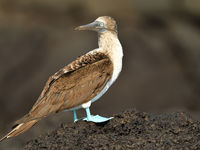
(92, 26)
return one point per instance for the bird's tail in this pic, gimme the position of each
(20, 128)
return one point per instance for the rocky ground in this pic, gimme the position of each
(130, 129)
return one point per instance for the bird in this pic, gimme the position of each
(81, 82)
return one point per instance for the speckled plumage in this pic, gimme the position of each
(85, 79)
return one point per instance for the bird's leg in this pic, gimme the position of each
(89, 116)
(75, 115)
(97, 118)
(87, 109)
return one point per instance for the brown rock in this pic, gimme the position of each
(165, 131)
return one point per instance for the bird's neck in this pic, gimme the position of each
(109, 43)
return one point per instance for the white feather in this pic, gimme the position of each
(116, 56)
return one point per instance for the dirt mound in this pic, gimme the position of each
(130, 129)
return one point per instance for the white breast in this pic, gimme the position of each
(116, 56)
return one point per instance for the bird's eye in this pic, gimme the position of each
(101, 24)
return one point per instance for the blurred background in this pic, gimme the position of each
(161, 69)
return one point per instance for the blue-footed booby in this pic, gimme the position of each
(81, 82)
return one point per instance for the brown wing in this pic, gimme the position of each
(80, 62)
(72, 88)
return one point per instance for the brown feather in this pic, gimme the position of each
(19, 129)
(72, 86)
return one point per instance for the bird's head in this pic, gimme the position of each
(101, 24)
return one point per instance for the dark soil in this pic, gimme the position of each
(130, 129)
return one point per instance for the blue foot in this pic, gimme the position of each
(96, 119)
